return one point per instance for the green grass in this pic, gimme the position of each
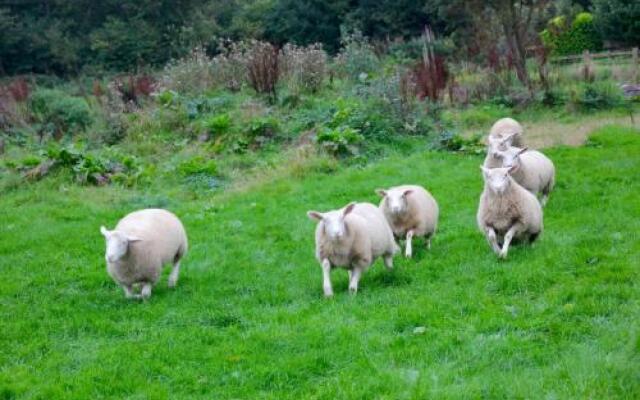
(248, 320)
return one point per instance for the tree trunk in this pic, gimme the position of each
(510, 25)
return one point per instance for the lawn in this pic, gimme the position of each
(248, 320)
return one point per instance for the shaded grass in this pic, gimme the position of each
(556, 320)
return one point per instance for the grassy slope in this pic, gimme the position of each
(558, 320)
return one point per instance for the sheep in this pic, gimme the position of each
(140, 245)
(410, 211)
(507, 211)
(506, 128)
(352, 238)
(534, 171)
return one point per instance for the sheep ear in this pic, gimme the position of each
(513, 169)
(314, 215)
(133, 239)
(484, 169)
(381, 192)
(348, 209)
(507, 138)
(522, 151)
(407, 192)
(105, 232)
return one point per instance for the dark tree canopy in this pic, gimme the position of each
(67, 37)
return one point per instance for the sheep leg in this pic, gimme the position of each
(146, 291)
(355, 278)
(428, 240)
(388, 261)
(175, 272)
(545, 198)
(326, 276)
(507, 240)
(128, 292)
(492, 239)
(409, 249)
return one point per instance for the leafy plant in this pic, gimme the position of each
(60, 113)
(197, 165)
(341, 141)
(595, 96)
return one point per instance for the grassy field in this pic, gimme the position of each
(248, 320)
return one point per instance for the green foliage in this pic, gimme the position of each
(452, 141)
(218, 124)
(60, 113)
(93, 168)
(618, 20)
(581, 35)
(357, 58)
(596, 96)
(341, 141)
(197, 165)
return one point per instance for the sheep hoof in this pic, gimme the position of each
(353, 290)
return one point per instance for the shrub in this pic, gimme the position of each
(595, 96)
(218, 124)
(304, 67)
(357, 58)
(230, 67)
(430, 74)
(86, 168)
(341, 141)
(60, 113)
(563, 39)
(193, 74)
(262, 67)
(197, 165)
(451, 141)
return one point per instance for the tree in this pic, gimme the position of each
(618, 20)
(306, 21)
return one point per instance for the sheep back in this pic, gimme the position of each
(163, 240)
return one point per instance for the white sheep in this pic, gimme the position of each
(352, 238)
(506, 129)
(507, 211)
(410, 211)
(140, 245)
(534, 171)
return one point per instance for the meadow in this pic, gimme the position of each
(248, 320)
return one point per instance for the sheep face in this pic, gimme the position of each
(395, 200)
(333, 222)
(497, 179)
(117, 244)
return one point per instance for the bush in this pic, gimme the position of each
(191, 74)
(59, 113)
(197, 165)
(580, 36)
(595, 96)
(262, 68)
(303, 67)
(342, 141)
(86, 168)
(357, 59)
(218, 124)
(451, 141)
(230, 67)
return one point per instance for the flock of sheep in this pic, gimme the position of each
(354, 236)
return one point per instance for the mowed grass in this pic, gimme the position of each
(248, 319)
